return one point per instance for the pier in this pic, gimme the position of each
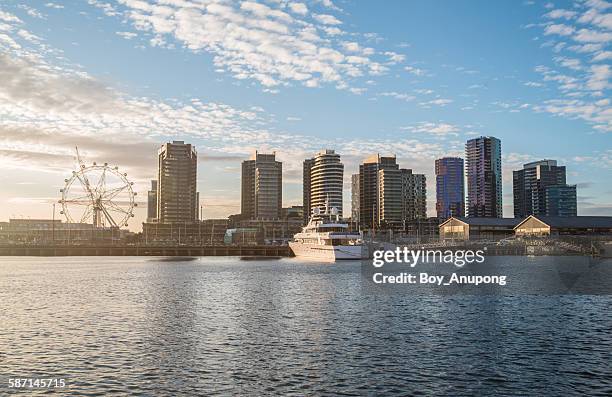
(148, 250)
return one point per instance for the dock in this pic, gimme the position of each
(146, 250)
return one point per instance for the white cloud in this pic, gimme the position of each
(437, 129)
(415, 71)
(256, 41)
(398, 95)
(437, 102)
(8, 17)
(592, 36)
(598, 79)
(327, 19)
(298, 8)
(571, 63)
(560, 29)
(126, 35)
(555, 14)
(53, 5)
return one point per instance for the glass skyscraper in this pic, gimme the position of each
(484, 177)
(450, 190)
(540, 189)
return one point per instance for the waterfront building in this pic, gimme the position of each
(539, 225)
(540, 189)
(323, 182)
(177, 196)
(262, 190)
(152, 202)
(203, 232)
(484, 177)
(369, 195)
(293, 212)
(486, 228)
(390, 196)
(50, 231)
(561, 201)
(450, 190)
(414, 195)
(306, 182)
(355, 198)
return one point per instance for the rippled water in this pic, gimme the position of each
(225, 326)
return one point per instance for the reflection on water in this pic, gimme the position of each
(225, 326)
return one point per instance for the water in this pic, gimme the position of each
(225, 326)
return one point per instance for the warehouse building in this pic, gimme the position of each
(564, 226)
(460, 228)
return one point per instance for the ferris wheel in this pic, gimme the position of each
(98, 194)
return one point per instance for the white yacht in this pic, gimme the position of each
(326, 238)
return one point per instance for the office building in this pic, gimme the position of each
(177, 196)
(389, 196)
(561, 200)
(369, 188)
(414, 195)
(355, 198)
(540, 189)
(152, 203)
(323, 180)
(484, 177)
(262, 187)
(450, 190)
(306, 182)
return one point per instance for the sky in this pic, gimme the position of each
(411, 78)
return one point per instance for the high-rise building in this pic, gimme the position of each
(369, 188)
(355, 198)
(540, 189)
(262, 187)
(390, 196)
(561, 201)
(414, 195)
(177, 196)
(450, 191)
(324, 183)
(390, 203)
(306, 183)
(152, 203)
(484, 177)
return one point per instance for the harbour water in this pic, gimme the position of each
(226, 326)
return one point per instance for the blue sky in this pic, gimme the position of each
(412, 78)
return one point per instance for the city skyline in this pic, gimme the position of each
(141, 78)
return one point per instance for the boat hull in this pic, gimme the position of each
(328, 253)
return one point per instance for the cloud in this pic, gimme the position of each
(327, 19)
(437, 129)
(53, 5)
(273, 44)
(560, 29)
(555, 14)
(598, 80)
(581, 87)
(415, 71)
(436, 102)
(571, 63)
(126, 35)
(298, 8)
(398, 95)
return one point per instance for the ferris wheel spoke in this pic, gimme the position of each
(110, 194)
(86, 197)
(86, 214)
(85, 184)
(112, 206)
(101, 182)
(77, 202)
